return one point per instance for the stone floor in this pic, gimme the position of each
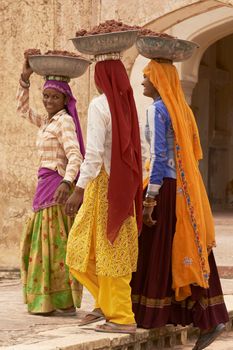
(20, 331)
(224, 237)
(225, 342)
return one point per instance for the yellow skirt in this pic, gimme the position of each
(112, 260)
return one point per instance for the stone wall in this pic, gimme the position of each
(48, 24)
(44, 24)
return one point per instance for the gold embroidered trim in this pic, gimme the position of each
(188, 303)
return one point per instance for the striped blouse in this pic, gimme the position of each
(57, 142)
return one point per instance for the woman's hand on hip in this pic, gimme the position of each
(147, 217)
(62, 193)
(74, 201)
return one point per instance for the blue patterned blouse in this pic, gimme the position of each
(160, 136)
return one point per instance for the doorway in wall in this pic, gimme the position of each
(212, 103)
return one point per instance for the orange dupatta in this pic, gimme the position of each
(194, 235)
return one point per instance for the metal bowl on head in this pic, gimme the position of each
(67, 66)
(172, 49)
(105, 43)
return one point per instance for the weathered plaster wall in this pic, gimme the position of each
(19, 24)
(44, 24)
(48, 24)
(146, 11)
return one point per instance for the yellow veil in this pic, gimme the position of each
(194, 235)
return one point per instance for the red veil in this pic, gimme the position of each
(125, 183)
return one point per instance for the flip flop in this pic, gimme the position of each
(64, 312)
(110, 327)
(93, 316)
(208, 338)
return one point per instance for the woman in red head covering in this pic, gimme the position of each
(102, 246)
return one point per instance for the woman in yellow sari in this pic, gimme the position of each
(177, 280)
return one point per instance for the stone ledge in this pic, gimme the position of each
(166, 337)
(84, 338)
(56, 333)
(9, 274)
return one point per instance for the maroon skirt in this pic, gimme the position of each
(153, 299)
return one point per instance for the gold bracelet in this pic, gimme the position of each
(149, 204)
(23, 83)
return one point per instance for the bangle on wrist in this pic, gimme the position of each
(149, 198)
(24, 83)
(24, 80)
(149, 204)
(68, 183)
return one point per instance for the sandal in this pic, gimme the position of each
(93, 316)
(66, 312)
(110, 327)
(206, 339)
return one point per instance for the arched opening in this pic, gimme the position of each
(213, 107)
(211, 71)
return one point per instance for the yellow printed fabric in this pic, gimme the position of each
(112, 294)
(194, 235)
(112, 260)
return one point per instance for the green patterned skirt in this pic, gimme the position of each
(47, 284)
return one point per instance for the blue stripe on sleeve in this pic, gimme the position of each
(158, 146)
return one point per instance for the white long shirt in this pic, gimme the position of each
(99, 141)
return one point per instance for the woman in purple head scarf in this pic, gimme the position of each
(47, 285)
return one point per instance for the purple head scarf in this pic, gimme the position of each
(65, 89)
